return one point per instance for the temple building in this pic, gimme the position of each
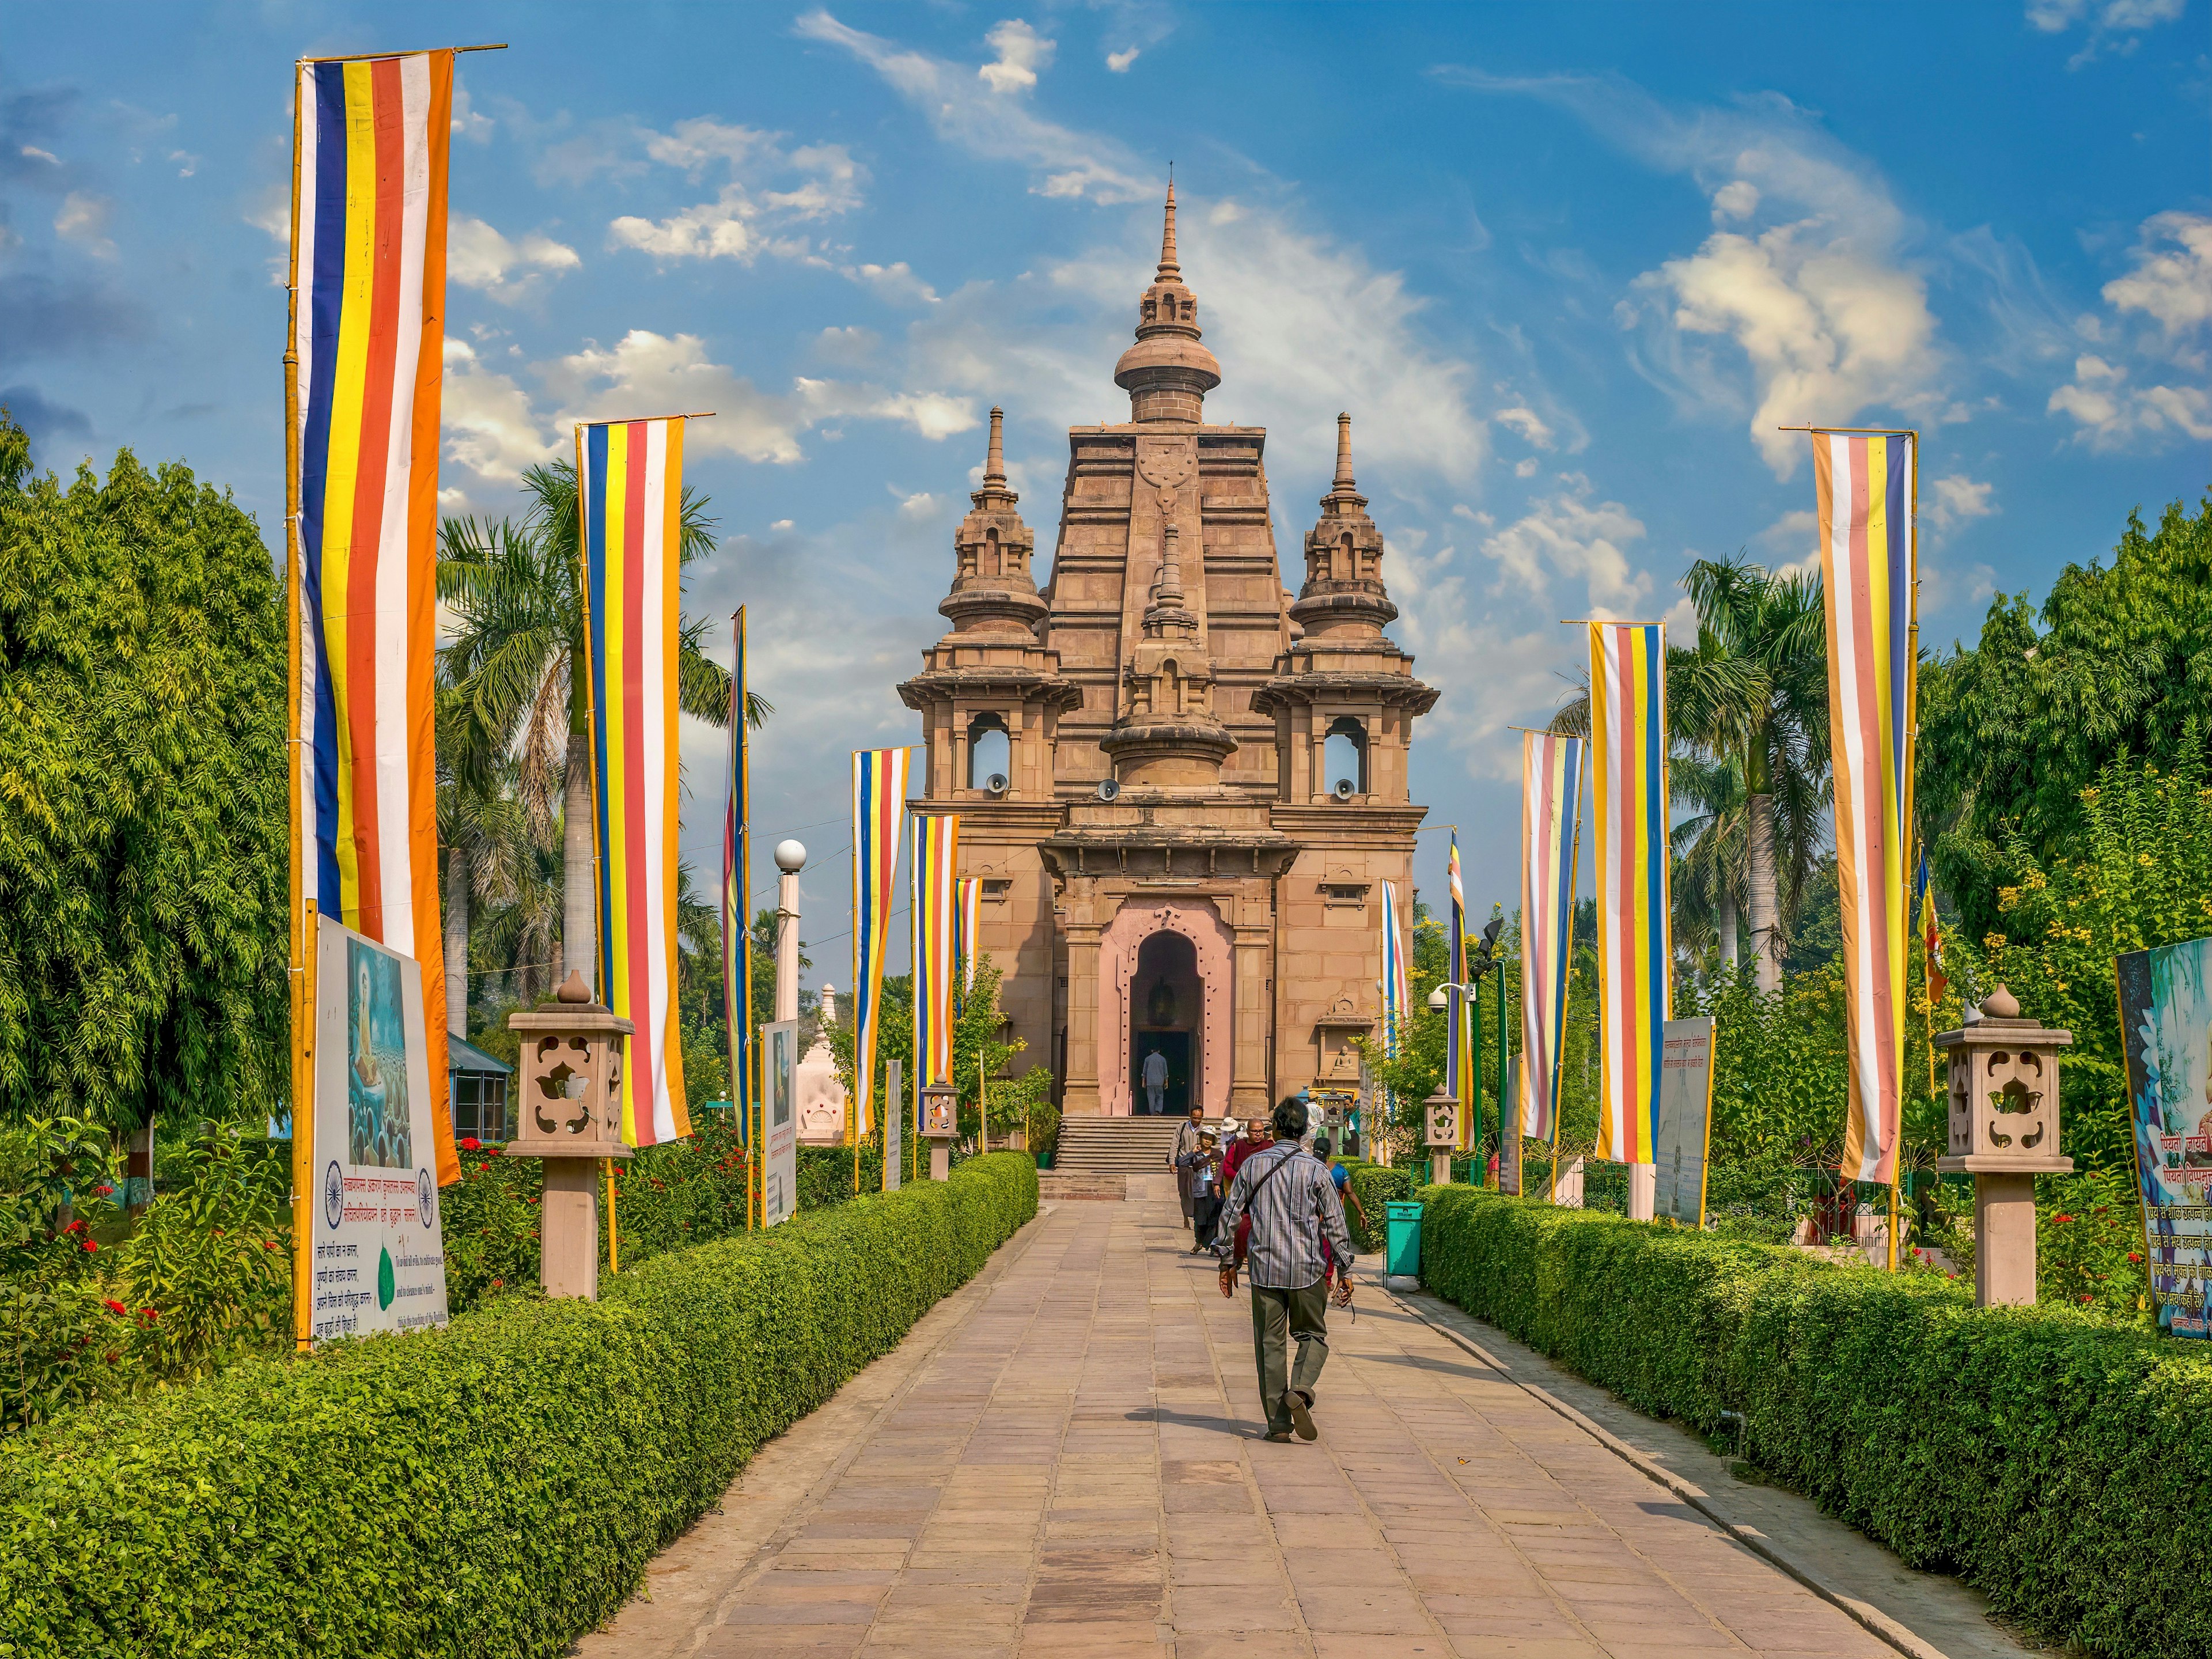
(1180, 786)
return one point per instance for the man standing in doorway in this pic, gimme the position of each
(1156, 1081)
(1293, 1206)
(1186, 1143)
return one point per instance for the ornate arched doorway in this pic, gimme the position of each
(1164, 973)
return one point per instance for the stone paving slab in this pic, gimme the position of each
(1062, 1460)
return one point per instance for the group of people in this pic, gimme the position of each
(1267, 1204)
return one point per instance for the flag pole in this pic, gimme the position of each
(1567, 994)
(1905, 786)
(298, 976)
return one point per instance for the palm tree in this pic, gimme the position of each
(1751, 693)
(485, 833)
(1709, 850)
(517, 600)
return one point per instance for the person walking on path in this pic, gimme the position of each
(1293, 1207)
(1186, 1142)
(1200, 1170)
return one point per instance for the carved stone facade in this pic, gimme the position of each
(1169, 862)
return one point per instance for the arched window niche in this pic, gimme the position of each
(990, 751)
(1344, 756)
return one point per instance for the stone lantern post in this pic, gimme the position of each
(570, 1115)
(940, 1122)
(2004, 1132)
(1442, 1111)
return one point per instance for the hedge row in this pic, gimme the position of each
(493, 1489)
(2062, 1463)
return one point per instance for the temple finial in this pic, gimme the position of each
(1344, 452)
(995, 463)
(1168, 267)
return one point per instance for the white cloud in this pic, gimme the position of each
(479, 257)
(930, 414)
(2171, 281)
(1955, 500)
(850, 345)
(1525, 467)
(2109, 415)
(1528, 423)
(1567, 537)
(1119, 61)
(966, 109)
(896, 283)
(467, 122)
(1022, 53)
(1737, 199)
(83, 219)
(1827, 314)
(770, 192)
(919, 504)
(32, 152)
(188, 163)
(2114, 25)
(490, 426)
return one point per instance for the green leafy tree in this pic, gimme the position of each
(980, 1049)
(142, 811)
(2118, 662)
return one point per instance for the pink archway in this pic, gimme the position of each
(1132, 924)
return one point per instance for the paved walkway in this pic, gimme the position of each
(1062, 1459)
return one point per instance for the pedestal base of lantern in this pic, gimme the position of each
(2004, 1224)
(1439, 1168)
(940, 1161)
(568, 1233)
(1642, 1191)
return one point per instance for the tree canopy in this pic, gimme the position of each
(143, 813)
(2014, 728)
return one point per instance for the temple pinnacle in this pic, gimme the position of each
(1343, 453)
(1168, 265)
(995, 463)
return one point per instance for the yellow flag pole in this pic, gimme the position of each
(614, 1253)
(299, 971)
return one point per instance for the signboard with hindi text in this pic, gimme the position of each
(2165, 1026)
(1685, 1101)
(376, 1252)
(779, 1121)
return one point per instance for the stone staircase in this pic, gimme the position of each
(1097, 1156)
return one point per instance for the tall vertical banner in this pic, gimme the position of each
(1461, 1054)
(368, 285)
(933, 894)
(631, 477)
(1866, 483)
(737, 861)
(1394, 986)
(2166, 1012)
(968, 896)
(1628, 754)
(1550, 826)
(878, 810)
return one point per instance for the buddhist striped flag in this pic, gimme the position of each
(631, 477)
(737, 930)
(1551, 819)
(1394, 992)
(933, 898)
(878, 810)
(368, 262)
(1461, 1056)
(1865, 485)
(971, 892)
(1628, 744)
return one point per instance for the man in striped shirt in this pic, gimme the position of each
(1293, 1205)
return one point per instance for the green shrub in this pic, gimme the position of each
(495, 1488)
(1376, 1186)
(2061, 1462)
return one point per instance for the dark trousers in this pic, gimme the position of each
(1279, 1318)
(1204, 1211)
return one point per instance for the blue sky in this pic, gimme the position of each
(1567, 267)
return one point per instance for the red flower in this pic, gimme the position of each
(2086, 1297)
(149, 1315)
(110, 1358)
(470, 1142)
(493, 1151)
(268, 1244)
(115, 1307)
(103, 1192)
(2061, 1216)
(90, 1249)
(75, 1227)
(497, 1283)
(2135, 1255)
(483, 1166)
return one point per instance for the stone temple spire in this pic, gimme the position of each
(1167, 617)
(1168, 372)
(1344, 592)
(993, 589)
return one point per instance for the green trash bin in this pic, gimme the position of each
(1403, 1257)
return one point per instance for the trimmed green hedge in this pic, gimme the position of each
(2062, 1463)
(493, 1489)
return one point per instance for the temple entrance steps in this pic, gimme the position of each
(1115, 1145)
